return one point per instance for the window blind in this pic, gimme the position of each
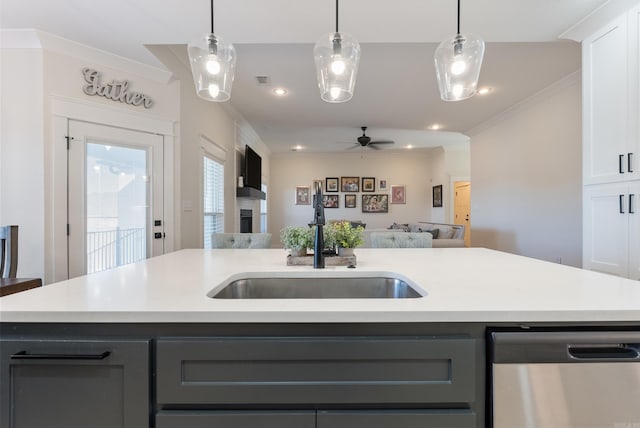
(213, 193)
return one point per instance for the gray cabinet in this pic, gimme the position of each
(74, 384)
(236, 419)
(349, 381)
(396, 419)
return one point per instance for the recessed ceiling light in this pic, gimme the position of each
(296, 148)
(435, 127)
(484, 90)
(409, 146)
(280, 92)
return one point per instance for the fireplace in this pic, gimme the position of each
(246, 221)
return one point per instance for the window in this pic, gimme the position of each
(213, 193)
(263, 211)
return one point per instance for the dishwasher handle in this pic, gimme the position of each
(564, 347)
(616, 352)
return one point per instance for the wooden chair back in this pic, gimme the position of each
(9, 251)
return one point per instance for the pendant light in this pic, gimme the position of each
(213, 62)
(458, 63)
(336, 56)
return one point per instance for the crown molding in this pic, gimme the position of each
(598, 19)
(565, 82)
(36, 39)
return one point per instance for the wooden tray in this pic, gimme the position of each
(328, 260)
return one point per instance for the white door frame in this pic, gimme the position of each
(63, 109)
(83, 133)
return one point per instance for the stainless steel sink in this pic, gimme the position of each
(317, 288)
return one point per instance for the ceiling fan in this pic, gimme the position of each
(365, 141)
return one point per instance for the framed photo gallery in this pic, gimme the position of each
(377, 194)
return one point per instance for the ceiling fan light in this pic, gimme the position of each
(458, 62)
(336, 56)
(213, 63)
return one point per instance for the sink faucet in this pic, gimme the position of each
(318, 220)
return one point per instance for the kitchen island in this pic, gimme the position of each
(144, 345)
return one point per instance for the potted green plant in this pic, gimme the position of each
(347, 237)
(297, 239)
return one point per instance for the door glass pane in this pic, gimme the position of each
(117, 185)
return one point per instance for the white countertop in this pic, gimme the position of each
(461, 285)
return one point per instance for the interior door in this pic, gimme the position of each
(462, 208)
(115, 207)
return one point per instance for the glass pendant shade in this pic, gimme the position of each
(337, 56)
(213, 63)
(458, 63)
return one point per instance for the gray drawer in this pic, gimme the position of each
(393, 370)
(397, 419)
(237, 419)
(74, 383)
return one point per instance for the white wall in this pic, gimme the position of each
(22, 157)
(40, 70)
(220, 126)
(447, 162)
(198, 119)
(288, 170)
(526, 177)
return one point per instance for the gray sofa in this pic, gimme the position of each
(447, 236)
(240, 240)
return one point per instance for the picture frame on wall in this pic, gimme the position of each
(350, 184)
(303, 195)
(382, 184)
(331, 184)
(350, 200)
(375, 203)
(331, 201)
(368, 184)
(398, 194)
(437, 196)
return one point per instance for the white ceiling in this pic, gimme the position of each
(396, 93)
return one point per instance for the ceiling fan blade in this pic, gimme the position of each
(383, 142)
(372, 146)
(355, 146)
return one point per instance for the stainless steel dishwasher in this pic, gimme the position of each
(563, 379)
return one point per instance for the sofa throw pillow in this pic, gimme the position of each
(446, 233)
(403, 227)
(434, 233)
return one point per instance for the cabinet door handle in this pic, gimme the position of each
(631, 197)
(24, 355)
(629, 162)
(621, 202)
(620, 168)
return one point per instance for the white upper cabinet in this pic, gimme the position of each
(611, 147)
(610, 102)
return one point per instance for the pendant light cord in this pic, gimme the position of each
(337, 15)
(458, 16)
(212, 16)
